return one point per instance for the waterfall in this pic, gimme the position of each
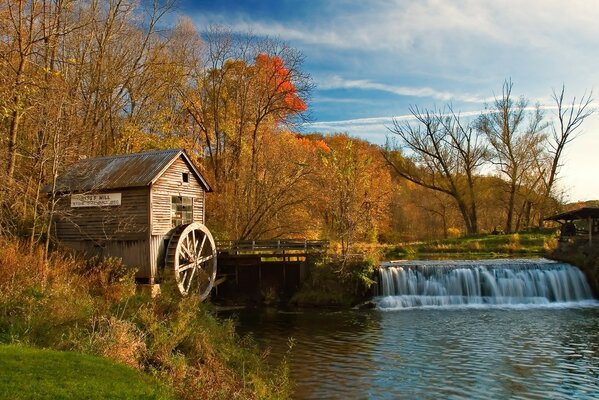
(482, 283)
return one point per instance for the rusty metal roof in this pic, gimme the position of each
(122, 171)
(580, 213)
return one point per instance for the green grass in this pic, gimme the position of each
(487, 246)
(30, 373)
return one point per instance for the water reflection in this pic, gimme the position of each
(333, 352)
(494, 353)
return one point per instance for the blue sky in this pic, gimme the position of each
(371, 60)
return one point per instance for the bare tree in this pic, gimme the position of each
(111, 56)
(565, 129)
(442, 154)
(22, 21)
(515, 136)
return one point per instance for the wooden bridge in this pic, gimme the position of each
(295, 247)
(256, 269)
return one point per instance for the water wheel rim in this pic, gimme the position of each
(195, 261)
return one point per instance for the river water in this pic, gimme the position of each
(453, 348)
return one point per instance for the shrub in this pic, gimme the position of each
(474, 245)
(550, 244)
(454, 232)
(337, 282)
(514, 243)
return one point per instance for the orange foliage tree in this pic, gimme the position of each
(240, 105)
(353, 191)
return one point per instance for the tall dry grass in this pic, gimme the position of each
(91, 306)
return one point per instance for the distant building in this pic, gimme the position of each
(580, 222)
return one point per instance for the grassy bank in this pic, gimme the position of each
(29, 373)
(92, 307)
(479, 246)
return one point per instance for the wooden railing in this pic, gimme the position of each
(284, 246)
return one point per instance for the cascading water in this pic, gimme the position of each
(482, 283)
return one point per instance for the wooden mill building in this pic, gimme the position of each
(132, 206)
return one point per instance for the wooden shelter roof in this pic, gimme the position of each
(579, 213)
(121, 171)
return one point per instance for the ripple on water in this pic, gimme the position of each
(431, 354)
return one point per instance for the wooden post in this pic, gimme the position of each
(590, 231)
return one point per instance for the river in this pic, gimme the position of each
(484, 345)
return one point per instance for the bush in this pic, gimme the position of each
(337, 283)
(474, 245)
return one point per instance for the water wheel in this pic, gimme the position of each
(191, 255)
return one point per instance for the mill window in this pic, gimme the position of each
(185, 177)
(181, 210)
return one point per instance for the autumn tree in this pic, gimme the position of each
(111, 61)
(34, 100)
(22, 32)
(155, 115)
(353, 190)
(246, 85)
(277, 205)
(248, 91)
(61, 63)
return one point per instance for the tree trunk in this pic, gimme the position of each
(12, 142)
(510, 209)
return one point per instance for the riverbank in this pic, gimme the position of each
(583, 256)
(522, 244)
(92, 307)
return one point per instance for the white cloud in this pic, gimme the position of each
(378, 126)
(429, 25)
(336, 82)
(448, 49)
(340, 100)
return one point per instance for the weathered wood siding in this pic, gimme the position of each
(198, 208)
(171, 184)
(129, 221)
(134, 253)
(157, 253)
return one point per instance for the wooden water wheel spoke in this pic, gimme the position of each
(204, 259)
(194, 242)
(185, 249)
(190, 280)
(185, 267)
(202, 246)
(192, 257)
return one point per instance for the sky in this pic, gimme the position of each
(372, 60)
